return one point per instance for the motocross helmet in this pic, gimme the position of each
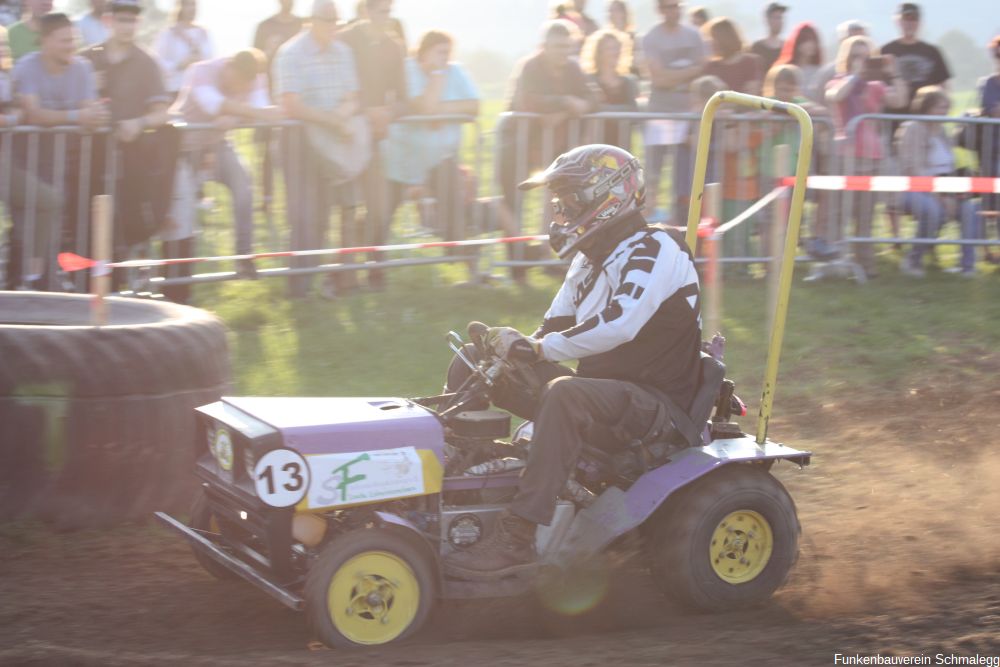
(592, 187)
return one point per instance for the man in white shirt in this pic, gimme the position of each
(224, 93)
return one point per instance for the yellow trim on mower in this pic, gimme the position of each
(794, 222)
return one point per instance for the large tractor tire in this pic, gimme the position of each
(726, 542)
(97, 425)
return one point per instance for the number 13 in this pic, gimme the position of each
(294, 471)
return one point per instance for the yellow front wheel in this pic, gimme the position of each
(205, 521)
(369, 588)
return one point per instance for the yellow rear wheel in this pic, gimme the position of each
(725, 542)
(741, 546)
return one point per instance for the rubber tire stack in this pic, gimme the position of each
(97, 425)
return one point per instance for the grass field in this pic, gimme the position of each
(843, 340)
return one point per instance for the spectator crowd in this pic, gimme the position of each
(358, 122)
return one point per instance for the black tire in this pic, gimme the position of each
(679, 541)
(202, 519)
(342, 549)
(97, 424)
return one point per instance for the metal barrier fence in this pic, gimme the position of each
(49, 175)
(43, 217)
(741, 160)
(871, 145)
(36, 168)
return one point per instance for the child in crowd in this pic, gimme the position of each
(786, 83)
(865, 83)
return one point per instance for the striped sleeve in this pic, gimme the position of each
(654, 270)
(562, 312)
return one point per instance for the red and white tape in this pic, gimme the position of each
(71, 262)
(938, 184)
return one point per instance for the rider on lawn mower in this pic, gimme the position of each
(628, 310)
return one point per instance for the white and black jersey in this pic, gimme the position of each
(636, 316)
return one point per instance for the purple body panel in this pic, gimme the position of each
(650, 490)
(615, 512)
(328, 425)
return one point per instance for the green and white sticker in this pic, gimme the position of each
(222, 449)
(351, 478)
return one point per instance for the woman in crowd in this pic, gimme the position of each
(803, 49)
(925, 150)
(620, 19)
(784, 82)
(606, 60)
(422, 159)
(182, 44)
(865, 83)
(741, 71)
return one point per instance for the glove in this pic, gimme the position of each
(511, 344)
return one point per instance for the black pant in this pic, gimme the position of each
(311, 195)
(144, 182)
(568, 411)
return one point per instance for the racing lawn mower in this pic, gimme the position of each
(343, 508)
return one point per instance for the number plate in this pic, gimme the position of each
(281, 478)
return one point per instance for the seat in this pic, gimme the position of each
(711, 374)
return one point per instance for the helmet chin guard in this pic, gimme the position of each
(592, 186)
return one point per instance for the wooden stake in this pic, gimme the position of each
(779, 226)
(713, 272)
(100, 277)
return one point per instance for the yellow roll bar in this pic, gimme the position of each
(794, 222)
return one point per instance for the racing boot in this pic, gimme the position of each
(508, 550)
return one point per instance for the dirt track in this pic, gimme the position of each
(900, 554)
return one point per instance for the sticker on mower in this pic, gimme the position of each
(222, 449)
(361, 477)
(281, 478)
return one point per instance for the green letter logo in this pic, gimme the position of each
(346, 479)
